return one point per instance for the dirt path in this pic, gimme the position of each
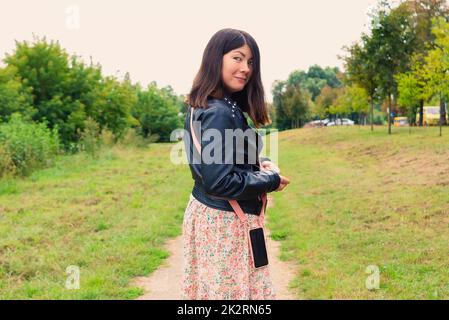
(165, 282)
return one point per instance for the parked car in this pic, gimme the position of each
(313, 124)
(343, 122)
(329, 123)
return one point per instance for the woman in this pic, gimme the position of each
(218, 257)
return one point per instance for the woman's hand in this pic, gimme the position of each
(284, 182)
(268, 165)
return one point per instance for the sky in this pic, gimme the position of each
(164, 40)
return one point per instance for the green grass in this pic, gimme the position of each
(360, 198)
(108, 216)
(356, 198)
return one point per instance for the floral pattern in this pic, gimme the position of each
(217, 258)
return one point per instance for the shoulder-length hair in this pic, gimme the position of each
(208, 81)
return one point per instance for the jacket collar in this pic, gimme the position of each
(233, 104)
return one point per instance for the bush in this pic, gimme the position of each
(107, 137)
(25, 146)
(7, 167)
(90, 141)
(132, 138)
(379, 117)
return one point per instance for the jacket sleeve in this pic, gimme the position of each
(221, 179)
(262, 159)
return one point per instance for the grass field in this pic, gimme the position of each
(357, 198)
(109, 217)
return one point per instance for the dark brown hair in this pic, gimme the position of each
(208, 81)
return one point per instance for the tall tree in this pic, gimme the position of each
(360, 66)
(14, 97)
(410, 93)
(436, 67)
(296, 105)
(278, 89)
(422, 14)
(157, 115)
(394, 40)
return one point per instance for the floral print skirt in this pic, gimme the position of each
(217, 258)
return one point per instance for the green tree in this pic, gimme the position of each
(340, 105)
(410, 93)
(360, 66)
(157, 114)
(114, 104)
(357, 100)
(278, 89)
(436, 67)
(324, 101)
(393, 39)
(44, 70)
(422, 12)
(13, 96)
(315, 79)
(296, 104)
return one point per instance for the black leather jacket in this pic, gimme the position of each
(215, 183)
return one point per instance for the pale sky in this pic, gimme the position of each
(164, 40)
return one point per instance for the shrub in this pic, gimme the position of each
(107, 137)
(26, 146)
(89, 141)
(131, 138)
(7, 167)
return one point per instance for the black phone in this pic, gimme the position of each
(260, 256)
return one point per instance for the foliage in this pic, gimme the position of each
(26, 146)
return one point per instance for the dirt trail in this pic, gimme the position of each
(165, 282)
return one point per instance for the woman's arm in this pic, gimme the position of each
(221, 179)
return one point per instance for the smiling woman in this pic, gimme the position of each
(225, 256)
(237, 68)
(231, 67)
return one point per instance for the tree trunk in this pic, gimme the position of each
(389, 113)
(442, 115)
(410, 121)
(421, 112)
(372, 114)
(442, 112)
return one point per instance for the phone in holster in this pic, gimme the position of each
(258, 247)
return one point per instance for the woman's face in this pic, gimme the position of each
(237, 68)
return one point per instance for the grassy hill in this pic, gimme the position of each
(359, 198)
(356, 199)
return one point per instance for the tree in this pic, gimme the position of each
(357, 100)
(324, 101)
(410, 93)
(114, 105)
(360, 66)
(340, 104)
(44, 70)
(294, 99)
(296, 105)
(393, 38)
(315, 79)
(436, 67)
(13, 96)
(278, 90)
(156, 114)
(422, 12)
